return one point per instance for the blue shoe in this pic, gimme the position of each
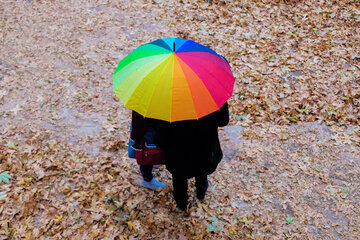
(153, 184)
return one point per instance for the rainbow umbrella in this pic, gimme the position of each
(173, 79)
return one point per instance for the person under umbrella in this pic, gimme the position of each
(192, 149)
(184, 86)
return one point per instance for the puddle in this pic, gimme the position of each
(230, 138)
(70, 125)
(321, 130)
(77, 127)
(335, 218)
(82, 125)
(314, 230)
(291, 77)
(61, 65)
(338, 221)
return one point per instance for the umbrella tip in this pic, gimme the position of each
(174, 47)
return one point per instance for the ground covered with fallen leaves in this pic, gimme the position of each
(291, 166)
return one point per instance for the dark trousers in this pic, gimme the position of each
(180, 185)
(146, 172)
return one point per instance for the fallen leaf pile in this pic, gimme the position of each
(292, 152)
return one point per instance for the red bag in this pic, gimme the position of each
(150, 155)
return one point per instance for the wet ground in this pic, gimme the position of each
(63, 129)
(319, 179)
(275, 167)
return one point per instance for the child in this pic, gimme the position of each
(141, 130)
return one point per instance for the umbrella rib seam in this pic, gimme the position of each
(213, 78)
(186, 80)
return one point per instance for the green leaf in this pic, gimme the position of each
(292, 34)
(134, 205)
(214, 225)
(2, 195)
(330, 123)
(109, 200)
(51, 186)
(113, 207)
(210, 227)
(289, 219)
(346, 190)
(270, 58)
(12, 145)
(214, 220)
(4, 177)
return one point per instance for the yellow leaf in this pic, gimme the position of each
(58, 218)
(66, 189)
(232, 230)
(24, 181)
(132, 225)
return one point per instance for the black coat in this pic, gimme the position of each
(192, 147)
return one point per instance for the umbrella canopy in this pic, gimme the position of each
(173, 79)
